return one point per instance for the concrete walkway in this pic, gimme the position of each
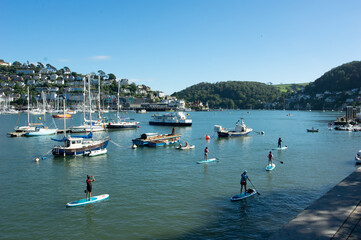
(336, 215)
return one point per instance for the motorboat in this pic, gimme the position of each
(312, 130)
(240, 130)
(146, 138)
(171, 119)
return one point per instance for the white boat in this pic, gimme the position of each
(121, 123)
(239, 130)
(88, 125)
(180, 147)
(93, 153)
(41, 132)
(171, 119)
(35, 129)
(80, 145)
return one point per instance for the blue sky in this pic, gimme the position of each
(170, 45)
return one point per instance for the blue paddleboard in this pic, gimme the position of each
(270, 167)
(207, 161)
(84, 201)
(243, 196)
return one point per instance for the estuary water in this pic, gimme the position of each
(161, 193)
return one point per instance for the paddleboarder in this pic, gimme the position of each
(206, 151)
(89, 187)
(270, 158)
(279, 142)
(243, 182)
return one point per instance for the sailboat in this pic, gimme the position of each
(35, 129)
(87, 126)
(121, 123)
(80, 145)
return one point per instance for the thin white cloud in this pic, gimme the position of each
(100, 58)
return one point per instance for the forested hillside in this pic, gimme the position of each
(231, 94)
(341, 78)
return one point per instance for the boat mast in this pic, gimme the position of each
(28, 108)
(84, 100)
(118, 101)
(99, 116)
(64, 116)
(90, 106)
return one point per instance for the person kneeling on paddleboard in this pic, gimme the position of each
(89, 187)
(243, 182)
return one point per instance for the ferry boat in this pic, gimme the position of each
(171, 119)
(239, 130)
(154, 139)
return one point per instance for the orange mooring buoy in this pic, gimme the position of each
(208, 137)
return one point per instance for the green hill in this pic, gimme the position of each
(231, 94)
(341, 78)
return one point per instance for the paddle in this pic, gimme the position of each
(278, 160)
(254, 187)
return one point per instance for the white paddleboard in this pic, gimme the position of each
(84, 201)
(207, 161)
(270, 167)
(243, 196)
(278, 148)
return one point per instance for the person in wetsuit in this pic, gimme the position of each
(89, 187)
(279, 142)
(243, 182)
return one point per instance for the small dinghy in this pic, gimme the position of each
(180, 147)
(94, 153)
(250, 192)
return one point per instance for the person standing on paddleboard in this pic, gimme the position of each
(270, 158)
(206, 151)
(279, 142)
(89, 187)
(243, 182)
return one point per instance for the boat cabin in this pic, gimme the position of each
(74, 142)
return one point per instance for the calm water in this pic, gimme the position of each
(161, 193)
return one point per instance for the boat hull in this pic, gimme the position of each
(63, 151)
(232, 133)
(174, 124)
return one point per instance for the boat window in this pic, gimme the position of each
(67, 143)
(72, 142)
(79, 141)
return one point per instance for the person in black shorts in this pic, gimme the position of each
(89, 187)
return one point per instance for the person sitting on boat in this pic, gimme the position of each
(270, 158)
(279, 142)
(89, 187)
(186, 144)
(206, 151)
(243, 182)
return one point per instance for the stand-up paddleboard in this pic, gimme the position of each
(250, 192)
(280, 148)
(85, 201)
(207, 161)
(270, 167)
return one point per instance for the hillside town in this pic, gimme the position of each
(47, 82)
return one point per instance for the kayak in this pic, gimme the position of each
(207, 161)
(250, 192)
(280, 148)
(270, 167)
(186, 147)
(85, 201)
